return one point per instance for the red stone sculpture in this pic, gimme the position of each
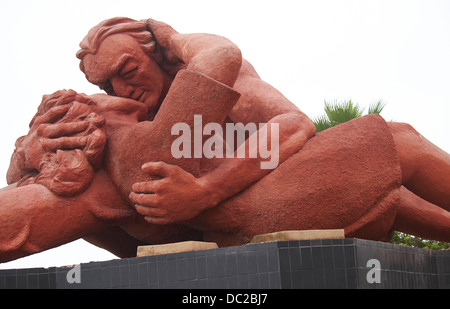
(102, 167)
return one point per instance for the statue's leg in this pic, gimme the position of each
(33, 219)
(116, 241)
(425, 167)
(421, 218)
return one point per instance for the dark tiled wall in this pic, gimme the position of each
(339, 263)
(326, 263)
(343, 264)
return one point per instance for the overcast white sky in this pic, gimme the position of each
(397, 51)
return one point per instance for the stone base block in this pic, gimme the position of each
(184, 246)
(299, 235)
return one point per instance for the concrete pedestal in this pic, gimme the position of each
(320, 263)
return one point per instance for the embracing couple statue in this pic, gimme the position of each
(102, 167)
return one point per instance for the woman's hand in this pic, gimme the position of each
(63, 126)
(177, 196)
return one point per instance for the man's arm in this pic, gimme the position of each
(235, 174)
(208, 54)
(259, 103)
(176, 195)
(179, 196)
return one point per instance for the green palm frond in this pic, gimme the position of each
(377, 107)
(322, 123)
(340, 112)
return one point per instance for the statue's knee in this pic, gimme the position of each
(401, 128)
(293, 123)
(405, 135)
(408, 144)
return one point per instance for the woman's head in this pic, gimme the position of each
(69, 169)
(121, 56)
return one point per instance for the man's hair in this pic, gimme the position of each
(136, 29)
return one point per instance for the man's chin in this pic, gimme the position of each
(153, 107)
(151, 103)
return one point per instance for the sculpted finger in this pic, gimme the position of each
(63, 143)
(62, 129)
(156, 220)
(146, 187)
(158, 168)
(96, 120)
(53, 114)
(95, 145)
(150, 211)
(161, 31)
(149, 200)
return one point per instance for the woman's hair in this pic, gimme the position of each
(138, 30)
(67, 172)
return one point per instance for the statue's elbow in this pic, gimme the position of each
(230, 64)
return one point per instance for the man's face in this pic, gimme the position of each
(121, 68)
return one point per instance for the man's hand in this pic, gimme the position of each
(177, 196)
(211, 55)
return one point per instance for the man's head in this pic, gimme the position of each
(121, 56)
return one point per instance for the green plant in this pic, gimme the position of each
(403, 239)
(340, 112)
